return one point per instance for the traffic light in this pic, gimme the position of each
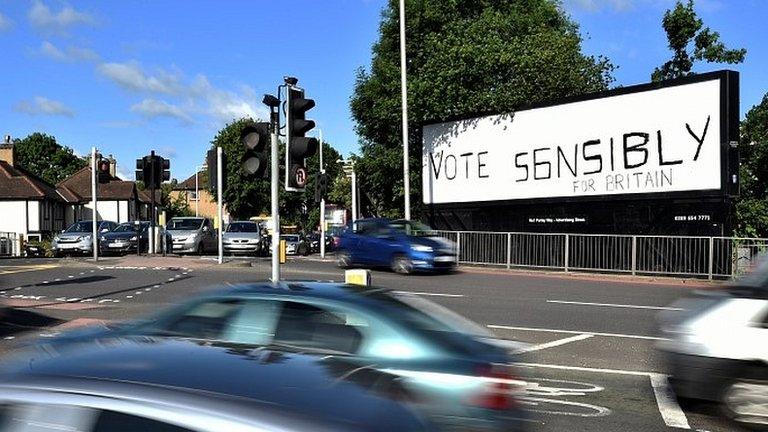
(212, 162)
(102, 168)
(143, 173)
(299, 146)
(255, 137)
(166, 169)
(321, 187)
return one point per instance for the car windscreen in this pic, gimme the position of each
(419, 313)
(243, 227)
(184, 224)
(126, 227)
(84, 226)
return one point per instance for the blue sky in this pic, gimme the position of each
(133, 76)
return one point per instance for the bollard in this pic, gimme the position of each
(282, 251)
(358, 277)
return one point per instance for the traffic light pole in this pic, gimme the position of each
(95, 223)
(220, 205)
(275, 120)
(322, 202)
(152, 209)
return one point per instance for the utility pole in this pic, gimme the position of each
(322, 202)
(404, 92)
(95, 217)
(219, 164)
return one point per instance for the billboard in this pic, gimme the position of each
(635, 141)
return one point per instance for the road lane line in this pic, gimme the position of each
(615, 305)
(669, 409)
(430, 294)
(616, 335)
(556, 343)
(587, 369)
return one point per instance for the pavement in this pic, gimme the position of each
(590, 359)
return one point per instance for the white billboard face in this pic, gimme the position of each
(662, 140)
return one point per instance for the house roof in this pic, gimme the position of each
(189, 183)
(17, 183)
(145, 196)
(77, 188)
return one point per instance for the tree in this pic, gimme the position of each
(464, 57)
(40, 154)
(246, 196)
(683, 26)
(174, 207)
(752, 205)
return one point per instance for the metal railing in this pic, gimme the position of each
(9, 244)
(710, 257)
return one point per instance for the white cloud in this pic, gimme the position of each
(41, 17)
(5, 23)
(130, 76)
(72, 53)
(224, 105)
(43, 106)
(154, 108)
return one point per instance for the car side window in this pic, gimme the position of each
(254, 324)
(112, 421)
(209, 320)
(309, 326)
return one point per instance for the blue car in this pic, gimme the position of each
(402, 245)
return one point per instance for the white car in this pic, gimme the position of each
(718, 347)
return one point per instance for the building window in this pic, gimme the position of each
(192, 195)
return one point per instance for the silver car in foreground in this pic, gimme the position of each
(78, 237)
(244, 237)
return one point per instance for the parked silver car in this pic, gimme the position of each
(192, 234)
(296, 244)
(244, 237)
(78, 238)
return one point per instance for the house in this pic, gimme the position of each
(29, 206)
(118, 200)
(197, 195)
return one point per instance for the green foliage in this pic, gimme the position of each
(41, 155)
(752, 206)
(464, 57)
(247, 196)
(684, 27)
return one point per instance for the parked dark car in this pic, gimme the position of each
(172, 385)
(129, 236)
(314, 242)
(464, 374)
(34, 249)
(404, 246)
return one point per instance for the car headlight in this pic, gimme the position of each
(56, 239)
(134, 238)
(421, 248)
(103, 238)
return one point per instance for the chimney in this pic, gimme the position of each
(112, 166)
(7, 151)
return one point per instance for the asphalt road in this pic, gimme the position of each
(591, 338)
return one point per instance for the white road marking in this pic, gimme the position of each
(430, 294)
(18, 288)
(670, 411)
(153, 286)
(616, 335)
(128, 296)
(59, 279)
(556, 343)
(615, 305)
(70, 276)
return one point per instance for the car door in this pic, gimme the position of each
(363, 241)
(383, 245)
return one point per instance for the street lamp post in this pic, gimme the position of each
(404, 101)
(197, 188)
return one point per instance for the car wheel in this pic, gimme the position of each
(402, 264)
(305, 250)
(745, 401)
(343, 259)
